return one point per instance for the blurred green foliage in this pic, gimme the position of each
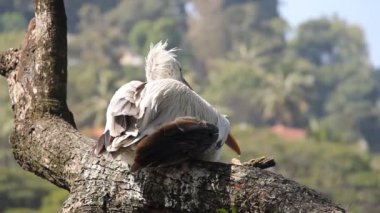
(146, 32)
(239, 56)
(12, 21)
(21, 191)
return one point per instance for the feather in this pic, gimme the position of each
(175, 142)
(161, 63)
(103, 141)
(123, 110)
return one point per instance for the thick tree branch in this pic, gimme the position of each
(41, 75)
(46, 142)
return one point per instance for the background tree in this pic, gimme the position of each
(344, 79)
(220, 28)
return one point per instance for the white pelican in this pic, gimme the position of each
(161, 121)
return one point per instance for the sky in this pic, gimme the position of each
(365, 13)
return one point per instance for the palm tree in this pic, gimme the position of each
(283, 94)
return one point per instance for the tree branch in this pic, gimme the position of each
(45, 142)
(8, 61)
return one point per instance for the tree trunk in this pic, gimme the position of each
(45, 142)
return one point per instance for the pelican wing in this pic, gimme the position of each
(174, 142)
(122, 114)
(123, 109)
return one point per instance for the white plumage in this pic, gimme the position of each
(161, 63)
(138, 109)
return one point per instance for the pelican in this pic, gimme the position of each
(144, 120)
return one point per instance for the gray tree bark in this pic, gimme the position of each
(46, 142)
